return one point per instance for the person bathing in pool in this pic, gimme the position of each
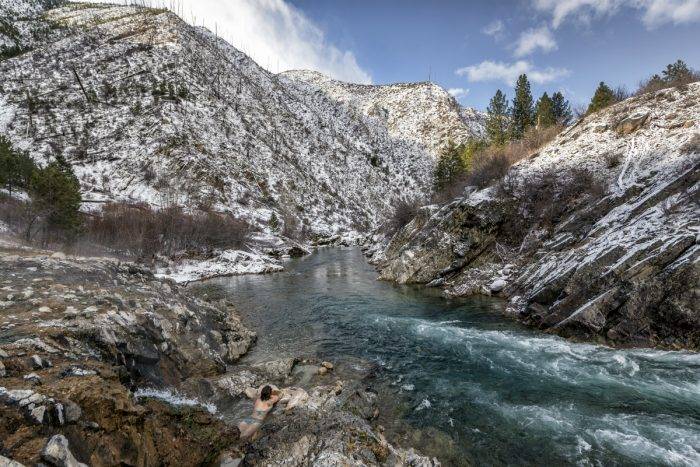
(249, 426)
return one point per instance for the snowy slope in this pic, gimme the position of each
(421, 112)
(622, 265)
(21, 25)
(230, 135)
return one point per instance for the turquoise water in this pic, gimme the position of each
(477, 387)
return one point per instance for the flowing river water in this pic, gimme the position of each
(468, 385)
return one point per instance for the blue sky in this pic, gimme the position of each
(401, 40)
(469, 47)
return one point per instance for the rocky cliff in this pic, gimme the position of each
(595, 236)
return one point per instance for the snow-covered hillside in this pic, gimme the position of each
(20, 24)
(616, 259)
(421, 112)
(148, 108)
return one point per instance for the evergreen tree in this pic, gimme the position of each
(562, 109)
(16, 168)
(544, 112)
(497, 119)
(676, 72)
(603, 97)
(455, 163)
(522, 112)
(55, 194)
(449, 166)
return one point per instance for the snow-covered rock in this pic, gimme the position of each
(497, 285)
(225, 263)
(619, 260)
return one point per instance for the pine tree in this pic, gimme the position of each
(522, 112)
(449, 167)
(497, 119)
(544, 112)
(55, 194)
(603, 97)
(562, 109)
(676, 72)
(16, 168)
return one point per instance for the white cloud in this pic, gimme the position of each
(654, 12)
(458, 92)
(508, 72)
(274, 33)
(533, 39)
(494, 29)
(658, 12)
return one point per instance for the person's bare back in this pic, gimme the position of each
(249, 426)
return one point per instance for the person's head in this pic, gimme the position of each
(266, 393)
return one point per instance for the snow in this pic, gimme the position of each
(421, 112)
(243, 141)
(226, 263)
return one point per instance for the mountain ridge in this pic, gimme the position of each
(150, 109)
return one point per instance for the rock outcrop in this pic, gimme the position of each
(104, 364)
(89, 331)
(596, 236)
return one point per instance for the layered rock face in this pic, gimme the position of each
(595, 236)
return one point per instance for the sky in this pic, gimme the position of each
(471, 48)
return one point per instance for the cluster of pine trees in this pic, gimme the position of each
(506, 122)
(54, 192)
(675, 74)
(509, 121)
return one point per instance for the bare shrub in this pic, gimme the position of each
(290, 226)
(546, 198)
(492, 164)
(144, 232)
(535, 138)
(404, 212)
(613, 160)
(16, 214)
(549, 196)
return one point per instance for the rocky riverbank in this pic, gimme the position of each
(101, 363)
(595, 236)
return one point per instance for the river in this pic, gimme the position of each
(469, 385)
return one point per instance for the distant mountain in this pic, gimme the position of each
(148, 108)
(419, 112)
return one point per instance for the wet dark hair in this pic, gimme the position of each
(265, 393)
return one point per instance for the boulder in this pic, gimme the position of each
(276, 369)
(632, 123)
(497, 285)
(56, 453)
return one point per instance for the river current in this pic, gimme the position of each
(468, 385)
